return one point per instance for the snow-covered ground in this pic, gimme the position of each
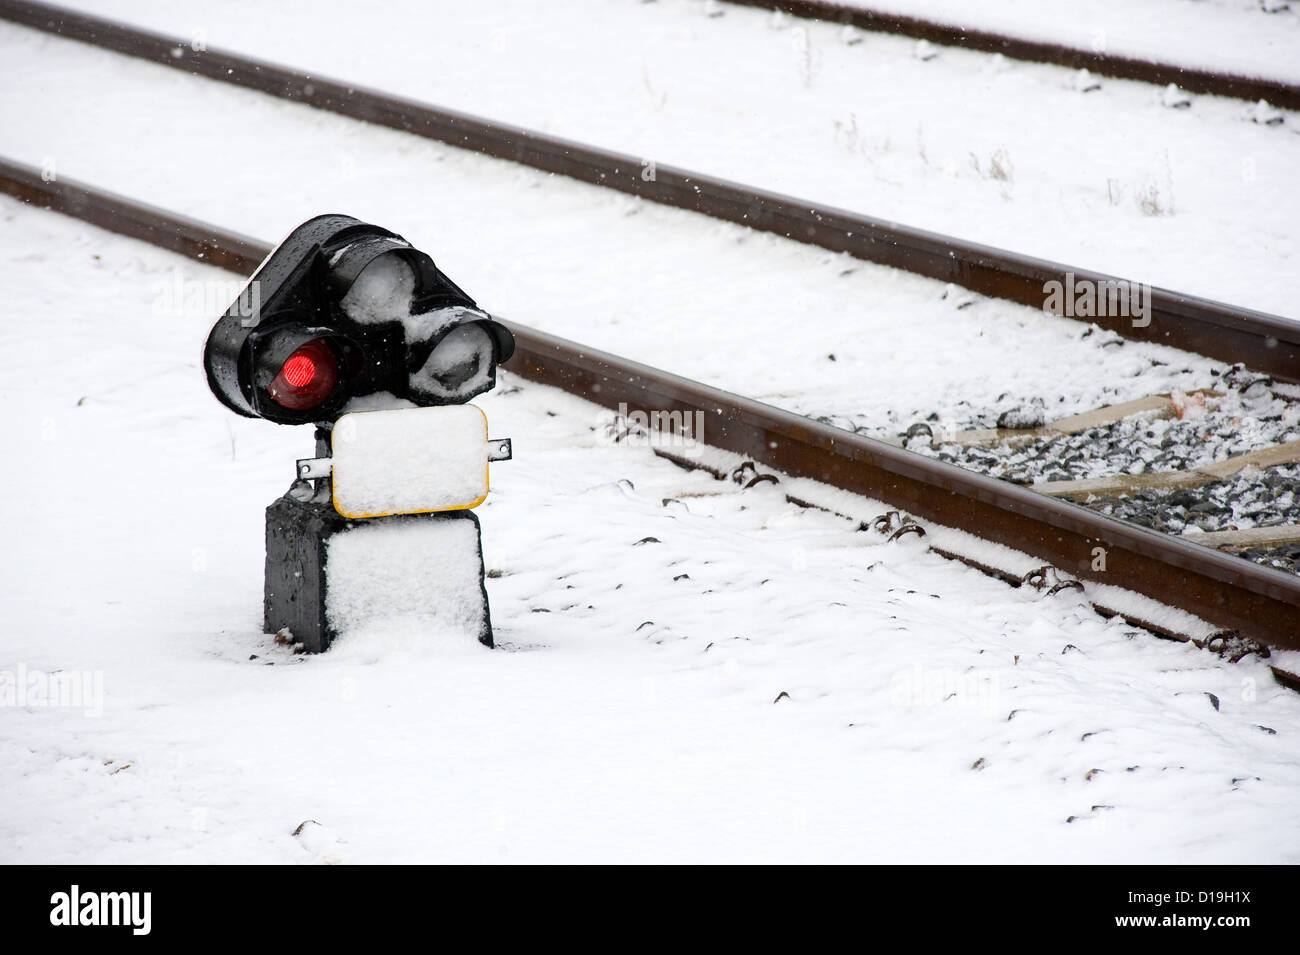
(812, 331)
(926, 712)
(1245, 37)
(1010, 154)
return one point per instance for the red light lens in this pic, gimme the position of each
(307, 377)
(299, 370)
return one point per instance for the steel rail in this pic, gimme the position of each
(1264, 342)
(1260, 602)
(1192, 79)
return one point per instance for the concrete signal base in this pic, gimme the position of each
(326, 575)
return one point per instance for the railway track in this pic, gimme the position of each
(1194, 80)
(1267, 343)
(1261, 604)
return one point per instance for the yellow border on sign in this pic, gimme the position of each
(432, 510)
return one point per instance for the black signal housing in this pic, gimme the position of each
(296, 298)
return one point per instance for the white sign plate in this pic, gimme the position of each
(410, 461)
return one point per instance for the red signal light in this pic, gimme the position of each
(299, 370)
(307, 377)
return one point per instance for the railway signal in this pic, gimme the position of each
(343, 309)
(348, 327)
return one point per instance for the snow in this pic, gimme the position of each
(809, 330)
(377, 401)
(1266, 115)
(408, 585)
(406, 461)
(382, 292)
(1198, 200)
(1175, 98)
(426, 325)
(1224, 36)
(460, 364)
(688, 670)
(1139, 607)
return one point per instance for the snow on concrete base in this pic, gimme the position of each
(406, 584)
